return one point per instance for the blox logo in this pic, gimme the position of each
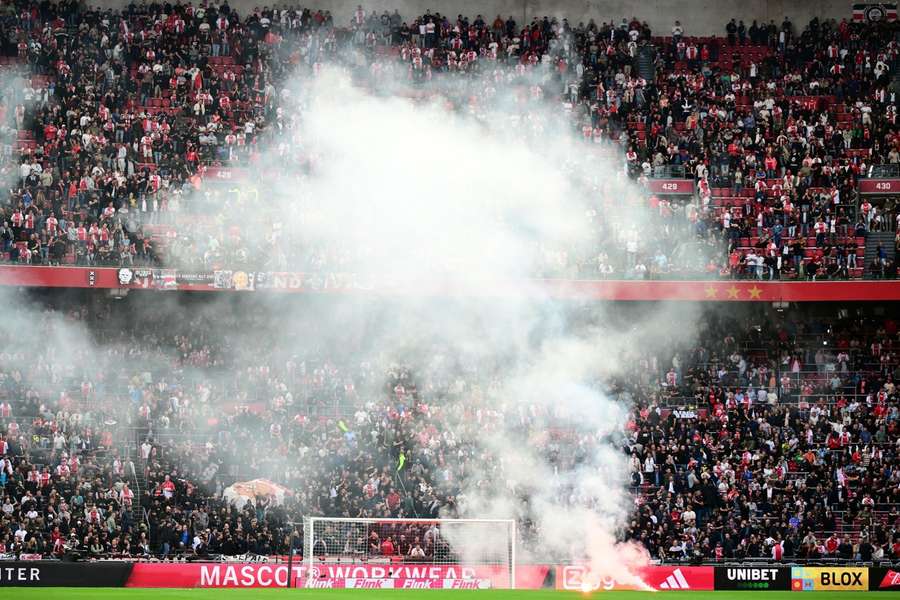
(841, 578)
(825, 578)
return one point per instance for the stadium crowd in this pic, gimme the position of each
(110, 120)
(772, 436)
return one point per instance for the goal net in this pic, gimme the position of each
(409, 553)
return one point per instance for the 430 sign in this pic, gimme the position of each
(879, 186)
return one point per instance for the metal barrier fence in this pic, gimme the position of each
(887, 171)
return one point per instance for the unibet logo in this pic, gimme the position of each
(752, 574)
(843, 578)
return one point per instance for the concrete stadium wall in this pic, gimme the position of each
(699, 17)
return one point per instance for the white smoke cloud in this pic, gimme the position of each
(412, 192)
(423, 195)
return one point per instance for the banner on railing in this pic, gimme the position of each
(753, 578)
(875, 12)
(413, 576)
(220, 281)
(818, 579)
(245, 558)
(685, 414)
(883, 579)
(64, 574)
(48, 573)
(668, 578)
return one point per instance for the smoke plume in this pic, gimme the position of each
(471, 204)
(458, 203)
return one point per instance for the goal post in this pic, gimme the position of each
(449, 553)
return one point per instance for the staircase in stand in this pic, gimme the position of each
(137, 479)
(644, 63)
(886, 239)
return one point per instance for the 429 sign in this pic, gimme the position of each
(671, 186)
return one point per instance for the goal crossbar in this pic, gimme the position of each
(481, 551)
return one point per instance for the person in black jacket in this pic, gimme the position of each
(731, 30)
(865, 549)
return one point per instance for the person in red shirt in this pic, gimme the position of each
(167, 487)
(771, 164)
(59, 546)
(387, 547)
(393, 500)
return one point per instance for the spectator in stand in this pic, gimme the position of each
(817, 122)
(764, 461)
(790, 133)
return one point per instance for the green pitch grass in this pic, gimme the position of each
(281, 594)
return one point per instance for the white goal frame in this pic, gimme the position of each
(312, 524)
